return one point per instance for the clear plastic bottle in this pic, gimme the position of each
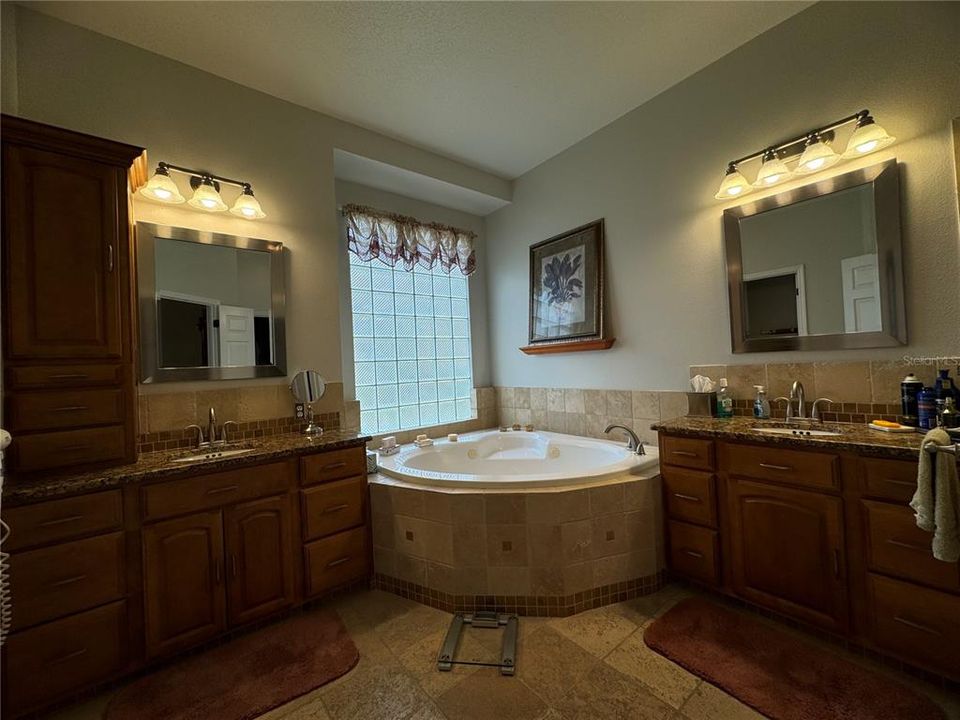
(761, 406)
(724, 401)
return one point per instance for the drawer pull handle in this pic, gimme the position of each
(70, 408)
(336, 508)
(70, 376)
(335, 466)
(61, 521)
(225, 489)
(907, 483)
(693, 554)
(685, 453)
(338, 561)
(908, 546)
(75, 448)
(915, 625)
(68, 581)
(768, 466)
(691, 498)
(69, 656)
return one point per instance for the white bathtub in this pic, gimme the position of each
(507, 460)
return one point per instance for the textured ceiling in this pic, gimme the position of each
(500, 86)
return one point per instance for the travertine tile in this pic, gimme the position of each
(619, 403)
(577, 577)
(595, 402)
(573, 400)
(484, 695)
(543, 540)
(552, 662)
(557, 421)
(645, 404)
(664, 679)
(607, 694)
(555, 400)
(523, 416)
(609, 536)
(575, 424)
(714, 372)
(780, 377)
(576, 538)
(507, 546)
(606, 499)
(843, 381)
(742, 378)
(466, 508)
(558, 507)
(505, 509)
(886, 376)
(351, 415)
(170, 411)
(521, 398)
(547, 581)
(538, 399)
(505, 397)
(226, 404)
(707, 702)
(438, 506)
(509, 580)
(673, 405)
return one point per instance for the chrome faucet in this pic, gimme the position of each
(796, 394)
(633, 442)
(211, 426)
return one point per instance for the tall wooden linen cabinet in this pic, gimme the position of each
(68, 325)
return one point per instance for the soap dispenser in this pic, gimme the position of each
(761, 406)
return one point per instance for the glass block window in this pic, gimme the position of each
(411, 346)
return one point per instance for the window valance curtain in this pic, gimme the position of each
(399, 239)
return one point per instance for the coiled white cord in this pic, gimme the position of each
(6, 602)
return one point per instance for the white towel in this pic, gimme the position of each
(937, 499)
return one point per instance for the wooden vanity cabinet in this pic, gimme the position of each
(826, 538)
(68, 321)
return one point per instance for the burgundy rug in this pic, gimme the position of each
(777, 673)
(246, 677)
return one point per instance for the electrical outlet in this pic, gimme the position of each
(299, 411)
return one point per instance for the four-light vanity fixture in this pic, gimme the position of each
(814, 153)
(206, 192)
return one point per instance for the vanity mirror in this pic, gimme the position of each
(818, 267)
(307, 387)
(211, 305)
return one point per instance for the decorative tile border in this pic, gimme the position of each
(182, 439)
(528, 605)
(838, 412)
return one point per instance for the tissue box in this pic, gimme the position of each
(371, 462)
(702, 404)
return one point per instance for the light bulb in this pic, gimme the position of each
(867, 138)
(247, 205)
(162, 188)
(206, 197)
(772, 171)
(733, 184)
(817, 155)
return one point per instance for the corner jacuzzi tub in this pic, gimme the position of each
(512, 460)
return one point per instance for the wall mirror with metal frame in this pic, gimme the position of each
(818, 267)
(211, 305)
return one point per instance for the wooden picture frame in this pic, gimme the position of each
(566, 294)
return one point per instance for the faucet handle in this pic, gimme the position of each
(789, 404)
(223, 429)
(815, 407)
(199, 433)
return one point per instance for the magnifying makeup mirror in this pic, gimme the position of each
(307, 387)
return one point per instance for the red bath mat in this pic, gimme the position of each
(777, 673)
(246, 677)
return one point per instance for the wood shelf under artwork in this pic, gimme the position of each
(571, 346)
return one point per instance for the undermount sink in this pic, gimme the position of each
(796, 432)
(213, 454)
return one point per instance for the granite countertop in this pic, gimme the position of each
(161, 465)
(853, 438)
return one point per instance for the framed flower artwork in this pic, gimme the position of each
(566, 287)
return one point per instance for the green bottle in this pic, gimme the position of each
(724, 401)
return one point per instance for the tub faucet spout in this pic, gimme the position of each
(633, 442)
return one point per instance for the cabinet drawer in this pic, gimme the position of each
(890, 479)
(694, 552)
(917, 623)
(56, 520)
(57, 376)
(74, 408)
(895, 545)
(690, 496)
(333, 465)
(336, 560)
(58, 658)
(794, 467)
(689, 453)
(70, 447)
(200, 492)
(66, 578)
(333, 507)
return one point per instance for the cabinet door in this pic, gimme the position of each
(184, 599)
(259, 558)
(787, 548)
(63, 226)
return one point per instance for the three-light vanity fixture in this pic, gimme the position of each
(206, 192)
(813, 153)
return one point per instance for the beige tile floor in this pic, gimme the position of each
(593, 666)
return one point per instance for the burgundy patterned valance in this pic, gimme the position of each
(398, 239)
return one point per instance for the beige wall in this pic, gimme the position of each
(78, 79)
(652, 175)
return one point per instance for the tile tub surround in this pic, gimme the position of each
(862, 390)
(559, 548)
(588, 412)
